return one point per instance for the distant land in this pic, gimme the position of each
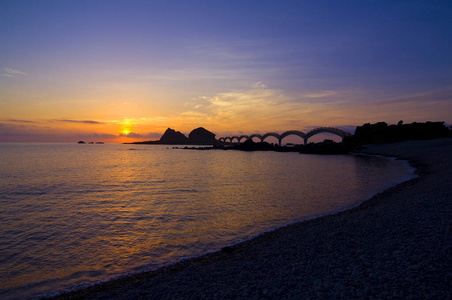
(377, 133)
(198, 136)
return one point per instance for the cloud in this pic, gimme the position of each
(80, 121)
(9, 72)
(320, 94)
(421, 107)
(20, 121)
(258, 105)
(40, 132)
(189, 75)
(441, 95)
(96, 136)
(138, 135)
(27, 133)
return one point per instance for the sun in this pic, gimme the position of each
(126, 127)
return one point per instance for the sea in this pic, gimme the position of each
(73, 215)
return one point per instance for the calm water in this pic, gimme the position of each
(72, 215)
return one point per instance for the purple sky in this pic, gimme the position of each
(118, 68)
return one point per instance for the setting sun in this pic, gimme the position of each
(125, 131)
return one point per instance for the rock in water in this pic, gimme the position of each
(202, 136)
(173, 137)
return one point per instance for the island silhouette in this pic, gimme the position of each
(198, 136)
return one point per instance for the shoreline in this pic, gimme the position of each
(379, 248)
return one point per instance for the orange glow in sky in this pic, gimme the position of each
(126, 71)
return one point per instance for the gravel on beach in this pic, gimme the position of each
(396, 245)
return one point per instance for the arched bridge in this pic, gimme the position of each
(280, 137)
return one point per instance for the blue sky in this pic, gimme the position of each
(138, 67)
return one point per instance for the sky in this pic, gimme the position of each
(125, 71)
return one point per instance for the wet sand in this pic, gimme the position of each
(396, 245)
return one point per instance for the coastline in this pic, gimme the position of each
(395, 245)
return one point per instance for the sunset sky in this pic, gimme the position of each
(123, 71)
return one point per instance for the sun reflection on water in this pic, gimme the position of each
(83, 214)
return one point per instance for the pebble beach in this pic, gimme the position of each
(396, 245)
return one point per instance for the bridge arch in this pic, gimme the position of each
(235, 138)
(274, 134)
(243, 137)
(292, 132)
(255, 135)
(332, 130)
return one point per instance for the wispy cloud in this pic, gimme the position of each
(320, 94)
(25, 132)
(45, 131)
(9, 72)
(152, 135)
(255, 106)
(96, 136)
(427, 106)
(20, 121)
(80, 121)
(261, 108)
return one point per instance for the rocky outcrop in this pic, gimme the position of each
(202, 136)
(198, 136)
(173, 137)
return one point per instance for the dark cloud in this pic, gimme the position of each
(6, 129)
(20, 121)
(26, 133)
(80, 121)
(10, 129)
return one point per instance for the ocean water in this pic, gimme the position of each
(72, 215)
